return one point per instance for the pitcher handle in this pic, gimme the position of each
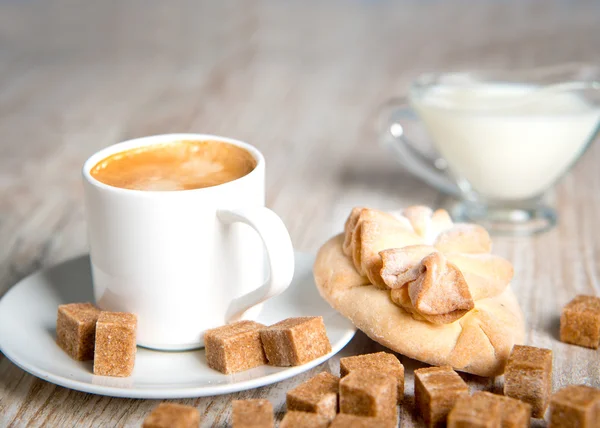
(417, 163)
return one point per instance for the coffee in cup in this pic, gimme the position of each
(177, 165)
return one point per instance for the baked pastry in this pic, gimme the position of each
(423, 286)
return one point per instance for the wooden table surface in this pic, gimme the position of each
(302, 80)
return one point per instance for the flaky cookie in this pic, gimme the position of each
(424, 287)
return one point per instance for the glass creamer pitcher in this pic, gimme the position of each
(503, 139)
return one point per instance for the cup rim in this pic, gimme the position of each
(161, 139)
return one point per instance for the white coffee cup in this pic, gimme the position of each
(184, 261)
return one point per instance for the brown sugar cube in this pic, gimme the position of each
(76, 329)
(476, 411)
(369, 393)
(344, 420)
(296, 419)
(235, 347)
(171, 415)
(382, 362)
(115, 344)
(528, 377)
(436, 391)
(514, 413)
(575, 406)
(317, 395)
(295, 341)
(580, 322)
(252, 414)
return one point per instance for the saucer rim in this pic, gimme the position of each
(168, 392)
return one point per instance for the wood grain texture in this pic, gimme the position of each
(302, 80)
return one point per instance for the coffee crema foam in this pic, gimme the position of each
(179, 165)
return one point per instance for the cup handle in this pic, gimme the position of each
(280, 254)
(420, 165)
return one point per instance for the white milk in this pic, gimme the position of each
(507, 141)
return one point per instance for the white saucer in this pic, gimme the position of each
(27, 338)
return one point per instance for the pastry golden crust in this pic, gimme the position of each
(417, 248)
(370, 231)
(440, 293)
(472, 327)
